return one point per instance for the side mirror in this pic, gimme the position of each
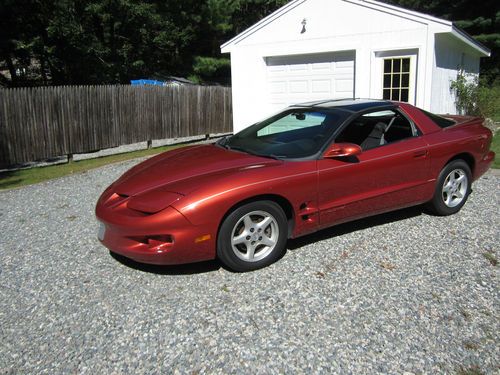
(341, 150)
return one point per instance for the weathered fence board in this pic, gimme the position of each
(44, 122)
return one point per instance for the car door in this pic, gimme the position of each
(390, 173)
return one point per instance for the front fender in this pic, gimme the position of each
(297, 183)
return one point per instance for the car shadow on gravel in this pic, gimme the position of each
(353, 226)
(182, 269)
(337, 230)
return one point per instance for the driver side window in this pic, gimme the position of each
(376, 129)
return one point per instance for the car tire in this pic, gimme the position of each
(452, 188)
(252, 236)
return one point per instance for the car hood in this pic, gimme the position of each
(186, 169)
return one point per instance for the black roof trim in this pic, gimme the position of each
(353, 105)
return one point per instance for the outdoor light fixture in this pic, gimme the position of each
(304, 23)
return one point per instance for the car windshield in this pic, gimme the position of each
(294, 133)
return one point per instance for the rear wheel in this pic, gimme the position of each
(452, 189)
(252, 236)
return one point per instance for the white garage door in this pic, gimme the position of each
(301, 78)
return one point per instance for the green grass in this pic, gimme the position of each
(14, 179)
(495, 146)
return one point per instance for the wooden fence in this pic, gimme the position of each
(44, 122)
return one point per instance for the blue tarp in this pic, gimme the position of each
(141, 82)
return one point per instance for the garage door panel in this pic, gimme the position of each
(299, 87)
(302, 78)
(344, 85)
(278, 87)
(298, 68)
(276, 69)
(321, 67)
(323, 86)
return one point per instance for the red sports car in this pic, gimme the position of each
(309, 167)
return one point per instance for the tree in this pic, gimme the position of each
(479, 19)
(18, 38)
(113, 41)
(99, 41)
(222, 20)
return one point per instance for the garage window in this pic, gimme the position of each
(396, 79)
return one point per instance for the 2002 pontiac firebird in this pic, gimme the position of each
(307, 168)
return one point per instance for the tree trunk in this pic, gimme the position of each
(12, 70)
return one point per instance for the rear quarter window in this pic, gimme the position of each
(440, 121)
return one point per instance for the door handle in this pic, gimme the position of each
(420, 154)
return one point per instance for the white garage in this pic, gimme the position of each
(331, 49)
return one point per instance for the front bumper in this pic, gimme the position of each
(127, 235)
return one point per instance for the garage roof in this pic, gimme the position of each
(446, 26)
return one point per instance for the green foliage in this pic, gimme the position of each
(209, 65)
(465, 88)
(488, 100)
(113, 41)
(209, 68)
(476, 97)
(495, 146)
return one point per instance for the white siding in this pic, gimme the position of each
(450, 56)
(248, 72)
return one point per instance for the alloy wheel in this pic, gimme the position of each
(254, 236)
(454, 188)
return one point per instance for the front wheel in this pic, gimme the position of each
(252, 236)
(452, 188)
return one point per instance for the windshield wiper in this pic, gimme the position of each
(270, 156)
(236, 148)
(241, 149)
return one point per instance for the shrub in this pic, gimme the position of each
(476, 97)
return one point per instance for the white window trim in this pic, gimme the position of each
(377, 78)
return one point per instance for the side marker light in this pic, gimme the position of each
(205, 237)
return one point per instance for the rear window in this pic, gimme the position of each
(438, 120)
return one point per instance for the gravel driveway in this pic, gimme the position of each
(401, 292)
